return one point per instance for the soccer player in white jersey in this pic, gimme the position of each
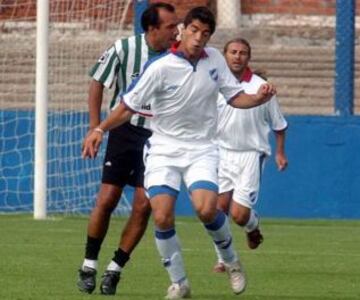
(182, 87)
(123, 163)
(242, 136)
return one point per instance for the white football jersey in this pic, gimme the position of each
(183, 95)
(248, 129)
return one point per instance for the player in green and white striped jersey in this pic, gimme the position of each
(123, 163)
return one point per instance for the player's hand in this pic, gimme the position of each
(92, 143)
(86, 136)
(281, 161)
(265, 92)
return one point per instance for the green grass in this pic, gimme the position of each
(298, 260)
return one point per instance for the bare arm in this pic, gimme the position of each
(117, 117)
(94, 103)
(280, 157)
(264, 94)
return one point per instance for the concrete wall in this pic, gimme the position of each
(98, 9)
(298, 7)
(322, 180)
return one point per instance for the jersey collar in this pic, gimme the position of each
(246, 76)
(174, 50)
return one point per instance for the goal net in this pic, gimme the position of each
(79, 33)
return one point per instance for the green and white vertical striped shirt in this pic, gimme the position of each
(122, 63)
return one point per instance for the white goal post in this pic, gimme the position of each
(43, 102)
(43, 99)
(41, 111)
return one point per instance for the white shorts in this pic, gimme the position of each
(168, 162)
(240, 172)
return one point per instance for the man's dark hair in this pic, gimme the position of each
(238, 41)
(204, 15)
(150, 17)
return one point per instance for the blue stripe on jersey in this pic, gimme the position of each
(161, 189)
(204, 185)
(164, 234)
(217, 223)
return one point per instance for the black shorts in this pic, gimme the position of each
(123, 162)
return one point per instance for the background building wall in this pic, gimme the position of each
(12, 9)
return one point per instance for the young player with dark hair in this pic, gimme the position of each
(182, 87)
(123, 163)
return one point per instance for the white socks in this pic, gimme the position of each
(253, 222)
(169, 248)
(93, 264)
(219, 230)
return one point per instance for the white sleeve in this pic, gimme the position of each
(276, 118)
(104, 71)
(143, 90)
(228, 84)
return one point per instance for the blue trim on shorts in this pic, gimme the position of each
(204, 185)
(217, 223)
(161, 189)
(165, 234)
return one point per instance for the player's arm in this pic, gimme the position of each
(141, 90)
(232, 90)
(280, 156)
(117, 117)
(95, 100)
(264, 94)
(101, 78)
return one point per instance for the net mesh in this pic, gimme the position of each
(72, 182)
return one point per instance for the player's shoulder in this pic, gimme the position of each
(256, 80)
(212, 52)
(129, 43)
(158, 61)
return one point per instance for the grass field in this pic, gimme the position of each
(298, 260)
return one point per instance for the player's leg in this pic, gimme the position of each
(201, 180)
(115, 175)
(247, 218)
(135, 226)
(223, 204)
(98, 224)
(226, 187)
(163, 186)
(131, 235)
(245, 197)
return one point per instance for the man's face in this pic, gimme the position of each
(167, 31)
(194, 37)
(237, 57)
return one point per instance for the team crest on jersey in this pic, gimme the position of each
(214, 74)
(172, 88)
(134, 75)
(103, 58)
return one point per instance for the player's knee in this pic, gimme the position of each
(142, 209)
(106, 203)
(241, 217)
(207, 215)
(164, 221)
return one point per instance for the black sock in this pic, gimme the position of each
(121, 257)
(92, 248)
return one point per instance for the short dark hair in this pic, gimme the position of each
(238, 41)
(150, 17)
(204, 15)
